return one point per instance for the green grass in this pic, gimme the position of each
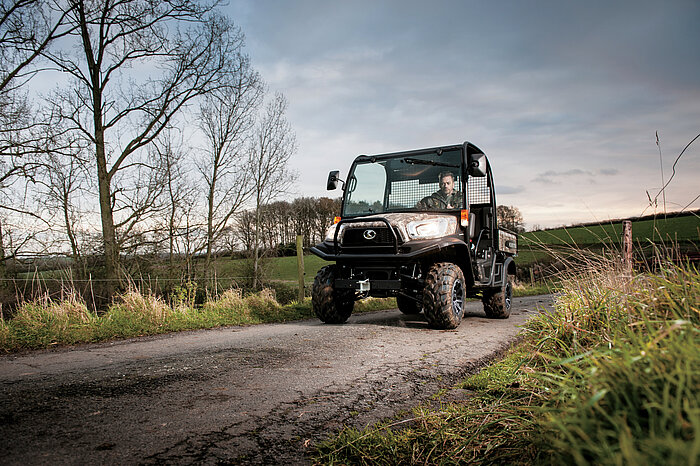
(671, 230)
(285, 268)
(45, 323)
(485, 428)
(611, 377)
(275, 268)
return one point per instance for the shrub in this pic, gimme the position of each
(228, 304)
(284, 293)
(262, 305)
(184, 296)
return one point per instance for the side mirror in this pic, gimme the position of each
(333, 180)
(477, 165)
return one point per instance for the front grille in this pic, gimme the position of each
(363, 237)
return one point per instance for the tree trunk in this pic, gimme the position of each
(3, 274)
(107, 216)
(210, 221)
(104, 178)
(256, 247)
(171, 238)
(104, 182)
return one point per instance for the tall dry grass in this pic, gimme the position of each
(45, 322)
(621, 359)
(612, 376)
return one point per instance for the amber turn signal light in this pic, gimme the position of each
(464, 217)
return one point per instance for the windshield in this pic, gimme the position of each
(426, 182)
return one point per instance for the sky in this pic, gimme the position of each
(565, 98)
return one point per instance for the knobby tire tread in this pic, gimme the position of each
(329, 305)
(437, 295)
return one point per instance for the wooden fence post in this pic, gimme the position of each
(300, 266)
(627, 245)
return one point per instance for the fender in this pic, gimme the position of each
(503, 269)
(509, 266)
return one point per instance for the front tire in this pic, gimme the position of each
(498, 302)
(444, 296)
(330, 305)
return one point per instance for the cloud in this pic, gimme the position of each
(504, 189)
(557, 177)
(554, 93)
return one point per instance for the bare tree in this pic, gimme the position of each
(22, 238)
(27, 29)
(510, 218)
(325, 212)
(244, 229)
(276, 222)
(179, 194)
(61, 179)
(283, 218)
(281, 221)
(268, 157)
(226, 118)
(135, 65)
(304, 216)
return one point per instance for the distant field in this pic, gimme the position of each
(285, 268)
(666, 230)
(276, 268)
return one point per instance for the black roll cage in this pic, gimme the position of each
(468, 149)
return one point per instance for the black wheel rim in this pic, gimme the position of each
(458, 298)
(508, 295)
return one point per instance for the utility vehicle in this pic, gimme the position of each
(396, 237)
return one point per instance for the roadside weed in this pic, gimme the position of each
(44, 323)
(611, 377)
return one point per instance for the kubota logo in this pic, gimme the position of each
(369, 234)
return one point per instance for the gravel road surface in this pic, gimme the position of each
(256, 395)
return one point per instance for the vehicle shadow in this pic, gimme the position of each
(394, 318)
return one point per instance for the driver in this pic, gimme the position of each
(445, 198)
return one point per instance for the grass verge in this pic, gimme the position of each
(611, 377)
(45, 323)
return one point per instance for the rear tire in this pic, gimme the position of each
(498, 301)
(444, 296)
(330, 305)
(408, 305)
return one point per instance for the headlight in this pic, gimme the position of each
(330, 232)
(432, 228)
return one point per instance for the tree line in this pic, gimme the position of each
(156, 135)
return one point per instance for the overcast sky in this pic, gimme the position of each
(564, 97)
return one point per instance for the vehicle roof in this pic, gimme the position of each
(471, 147)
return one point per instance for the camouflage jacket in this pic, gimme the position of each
(438, 201)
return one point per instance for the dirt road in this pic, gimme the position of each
(262, 394)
